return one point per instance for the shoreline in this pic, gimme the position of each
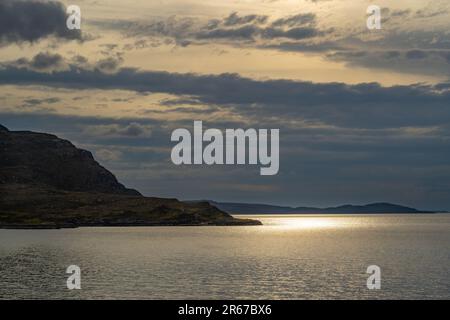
(239, 223)
(337, 213)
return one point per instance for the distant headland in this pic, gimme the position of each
(375, 208)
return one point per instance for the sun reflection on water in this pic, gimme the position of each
(309, 223)
(303, 222)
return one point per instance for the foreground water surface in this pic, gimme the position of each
(290, 257)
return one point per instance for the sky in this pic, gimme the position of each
(364, 115)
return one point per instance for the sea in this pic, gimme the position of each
(288, 257)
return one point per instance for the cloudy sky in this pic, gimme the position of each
(364, 115)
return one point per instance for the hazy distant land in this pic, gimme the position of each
(248, 208)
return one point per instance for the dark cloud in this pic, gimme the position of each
(296, 20)
(429, 62)
(80, 60)
(245, 32)
(30, 21)
(297, 33)
(392, 54)
(302, 46)
(394, 16)
(416, 54)
(430, 13)
(43, 61)
(37, 102)
(173, 27)
(133, 129)
(48, 62)
(400, 13)
(250, 27)
(234, 19)
(109, 64)
(234, 27)
(180, 101)
(251, 32)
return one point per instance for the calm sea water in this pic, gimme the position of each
(290, 257)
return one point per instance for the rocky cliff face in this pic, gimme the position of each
(44, 159)
(46, 182)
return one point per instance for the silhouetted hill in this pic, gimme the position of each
(46, 182)
(247, 208)
(43, 159)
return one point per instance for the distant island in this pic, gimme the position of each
(46, 182)
(247, 208)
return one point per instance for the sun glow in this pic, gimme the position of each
(308, 223)
(300, 221)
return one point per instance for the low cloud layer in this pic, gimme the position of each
(30, 21)
(234, 27)
(310, 32)
(337, 104)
